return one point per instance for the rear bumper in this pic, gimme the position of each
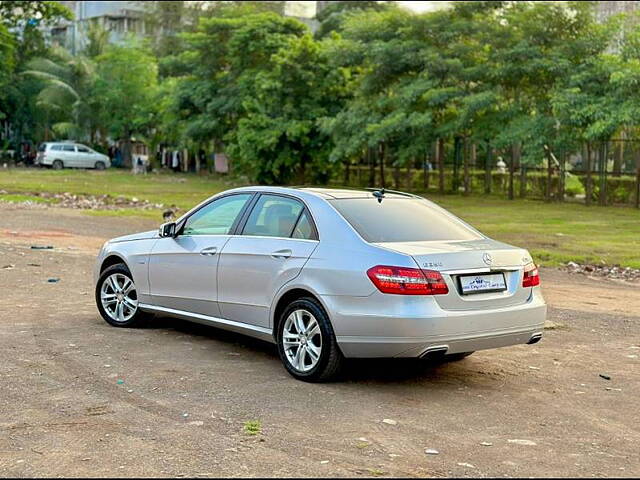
(417, 325)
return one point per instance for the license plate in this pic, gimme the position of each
(484, 283)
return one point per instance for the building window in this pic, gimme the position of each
(116, 25)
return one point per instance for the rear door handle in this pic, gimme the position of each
(209, 251)
(282, 253)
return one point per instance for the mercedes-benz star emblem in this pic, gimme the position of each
(486, 258)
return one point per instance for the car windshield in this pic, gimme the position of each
(401, 220)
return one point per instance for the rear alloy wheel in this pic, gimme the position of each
(100, 166)
(57, 165)
(306, 343)
(117, 297)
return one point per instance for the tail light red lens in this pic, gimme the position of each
(407, 281)
(531, 276)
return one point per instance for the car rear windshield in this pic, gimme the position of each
(401, 220)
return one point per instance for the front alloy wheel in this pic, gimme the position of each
(117, 297)
(306, 342)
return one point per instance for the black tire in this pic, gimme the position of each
(331, 359)
(100, 166)
(57, 165)
(139, 318)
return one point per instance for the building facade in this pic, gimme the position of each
(605, 10)
(120, 19)
(124, 18)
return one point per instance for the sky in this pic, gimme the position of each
(420, 7)
(308, 9)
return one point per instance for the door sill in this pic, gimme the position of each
(244, 328)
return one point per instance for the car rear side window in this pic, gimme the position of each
(273, 216)
(304, 229)
(57, 148)
(68, 148)
(401, 220)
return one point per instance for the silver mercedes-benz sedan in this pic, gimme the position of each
(327, 275)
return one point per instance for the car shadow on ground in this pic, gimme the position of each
(387, 370)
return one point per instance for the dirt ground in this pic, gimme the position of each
(81, 398)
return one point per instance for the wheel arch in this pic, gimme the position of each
(287, 296)
(112, 259)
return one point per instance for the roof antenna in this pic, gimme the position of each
(379, 194)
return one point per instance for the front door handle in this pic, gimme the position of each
(209, 251)
(282, 253)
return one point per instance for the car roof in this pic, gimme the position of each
(60, 143)
(340, 193)
(325, 193)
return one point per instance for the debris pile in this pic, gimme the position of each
(89, 202)
(97, 202)
(610, 271)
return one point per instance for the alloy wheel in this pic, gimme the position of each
(119, 297)
(302, 340)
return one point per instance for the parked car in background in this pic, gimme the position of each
(327, 274)
(58, 155)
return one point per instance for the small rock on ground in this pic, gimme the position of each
(519, 441)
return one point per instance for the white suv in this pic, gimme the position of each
(65, 154)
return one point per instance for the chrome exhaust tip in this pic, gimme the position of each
(435, 351)
(535, 339)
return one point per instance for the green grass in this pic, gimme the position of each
(553, 233)
(182, 190)
(252, 427)
(19, 197)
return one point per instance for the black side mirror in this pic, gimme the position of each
(168, 229)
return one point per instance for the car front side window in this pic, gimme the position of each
(217, 217)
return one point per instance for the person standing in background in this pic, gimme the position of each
(175, 161)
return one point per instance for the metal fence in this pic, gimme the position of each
(604, 173)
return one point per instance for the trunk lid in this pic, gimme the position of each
(454, 259)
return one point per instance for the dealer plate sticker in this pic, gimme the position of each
(483, 283)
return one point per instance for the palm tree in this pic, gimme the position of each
(64, 97)
(97, 40)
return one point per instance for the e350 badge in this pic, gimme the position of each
(432, 264)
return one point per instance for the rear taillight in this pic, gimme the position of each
(531, 276)
(407, 281)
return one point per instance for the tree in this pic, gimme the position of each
(125, 87)
(16, 12)
(97, 40)
(333, 16)
(65, 94)
(279, 137)
(378, 55)
(21, 40)
(220, 64)
(7, 65)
